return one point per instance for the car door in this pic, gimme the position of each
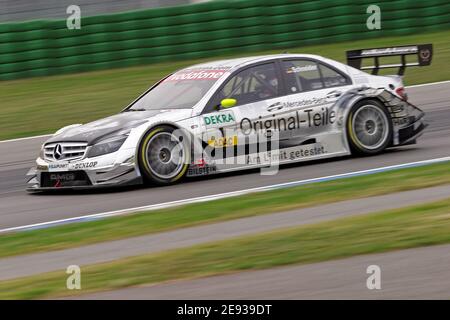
(312, 89)
(237, 130)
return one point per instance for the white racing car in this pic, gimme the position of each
(237, 114)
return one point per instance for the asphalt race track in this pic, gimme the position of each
(18, 208)
(41, 262)
(338, 279)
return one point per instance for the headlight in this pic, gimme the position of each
(106, 146)
(41, 153)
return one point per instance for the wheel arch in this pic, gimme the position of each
(349, 99)
(141, 134)
(356, 146)
(149, 128)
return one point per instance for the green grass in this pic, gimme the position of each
(43, 105)
(77, 234)
(424, 225)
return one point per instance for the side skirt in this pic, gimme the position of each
(269, 160)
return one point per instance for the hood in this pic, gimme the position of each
(97, 130)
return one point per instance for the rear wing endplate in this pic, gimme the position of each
(424, 53)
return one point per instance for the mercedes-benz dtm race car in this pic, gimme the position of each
(237, 114)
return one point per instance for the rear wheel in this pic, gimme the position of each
(163, 156)
(369, 127)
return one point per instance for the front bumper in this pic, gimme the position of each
(116, 169)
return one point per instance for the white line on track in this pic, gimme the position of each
(48, 135)
(428, 84)
(221, 195)
(26, 138)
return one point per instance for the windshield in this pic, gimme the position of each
(181, 90)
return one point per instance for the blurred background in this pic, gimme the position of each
(174, 30)
(132, 44)
(21, 10)
(55, 71)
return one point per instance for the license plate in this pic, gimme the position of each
(62, 177)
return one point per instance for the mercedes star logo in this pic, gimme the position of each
(425, 54)
(57, 152)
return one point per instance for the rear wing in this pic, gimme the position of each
(423, 52)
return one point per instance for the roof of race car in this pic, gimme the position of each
(239, 62)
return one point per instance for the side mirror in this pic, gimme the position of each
(228, 103)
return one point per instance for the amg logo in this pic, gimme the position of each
(62, 176)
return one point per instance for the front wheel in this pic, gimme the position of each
(163, 156)
(369, 127)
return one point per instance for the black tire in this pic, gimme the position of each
(156, 165)
(369, 127)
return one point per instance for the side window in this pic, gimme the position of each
(332, 78)
(250, 85)
(307, 75)
(302, 75)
